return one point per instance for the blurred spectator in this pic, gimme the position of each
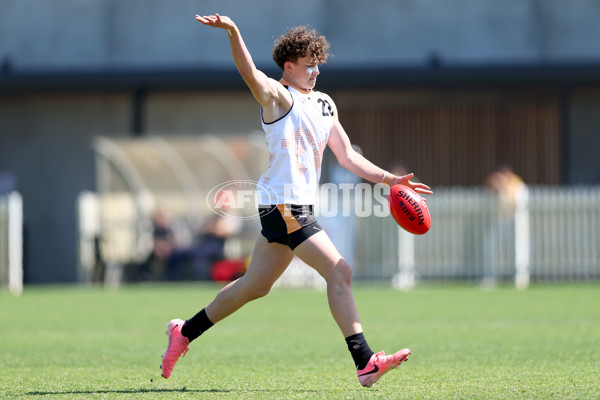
(155, 266)
(99, 268)
(500, 241)
(508, 186)
(209, 247)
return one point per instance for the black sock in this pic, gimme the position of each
(196, 325)
(360, 350)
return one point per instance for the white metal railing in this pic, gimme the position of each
(553, 234)
(11, 242)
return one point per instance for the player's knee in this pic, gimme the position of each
(256, 292)
(343, 272)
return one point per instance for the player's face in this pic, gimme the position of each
(304, 72)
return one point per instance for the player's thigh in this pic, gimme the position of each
(269, 261)
(319, 252)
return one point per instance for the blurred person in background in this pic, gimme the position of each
(507, 187)
(163, 243)
(209, 247)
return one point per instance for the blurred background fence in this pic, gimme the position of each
(551, 234)
(11, 242)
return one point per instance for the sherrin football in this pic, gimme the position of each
(409, 209)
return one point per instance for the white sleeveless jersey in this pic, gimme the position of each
(296, 143)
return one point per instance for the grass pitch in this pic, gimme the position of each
(92, 343)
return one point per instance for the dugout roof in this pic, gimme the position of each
(176, 172)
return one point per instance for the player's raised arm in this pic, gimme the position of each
(264, 89)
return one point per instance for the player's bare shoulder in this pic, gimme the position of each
(284, 97)
(280, 104)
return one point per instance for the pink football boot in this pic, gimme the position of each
(178, 346)
(379, 364)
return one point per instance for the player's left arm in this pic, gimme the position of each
(339, 143)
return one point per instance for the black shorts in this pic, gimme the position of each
(288, 224)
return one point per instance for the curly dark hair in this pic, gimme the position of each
(300, 42)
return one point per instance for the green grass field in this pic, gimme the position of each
(92, 343)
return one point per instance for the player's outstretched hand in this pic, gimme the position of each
(216, 21)
(417, 187)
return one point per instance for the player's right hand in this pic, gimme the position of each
(216, 21)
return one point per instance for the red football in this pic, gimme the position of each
(409, 209)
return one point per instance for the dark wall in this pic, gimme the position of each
(45, 141)
(583, 142)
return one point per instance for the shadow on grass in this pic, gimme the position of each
(150, 390)
(125, 391)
